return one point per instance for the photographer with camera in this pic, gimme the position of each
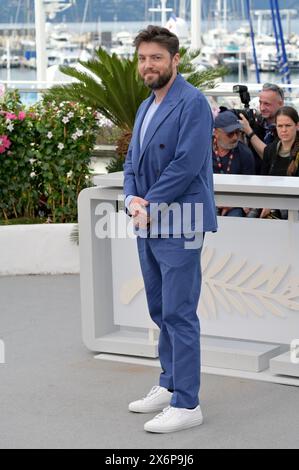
(261, 131)
(230, 156)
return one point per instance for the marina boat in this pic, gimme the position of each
(14, 60)
(180, 28)
(122, 45)
(224, 48)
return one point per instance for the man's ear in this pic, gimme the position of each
(177, 59)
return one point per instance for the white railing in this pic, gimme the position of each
(224, 89)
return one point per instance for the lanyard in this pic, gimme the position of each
(219, 160)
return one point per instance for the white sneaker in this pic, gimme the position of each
(156, 400)
(174, 419)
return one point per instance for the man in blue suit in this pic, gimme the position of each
(169, 169)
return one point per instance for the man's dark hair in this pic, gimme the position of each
(161, 36)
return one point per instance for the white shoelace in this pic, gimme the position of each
(166, 410)
(152, 392)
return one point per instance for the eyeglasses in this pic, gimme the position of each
(275, 88)
(233, 133)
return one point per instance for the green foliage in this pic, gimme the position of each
(115, 164)
(18, 192)
(108, 84)
(44, 158)
(200, 79)
(112, 85)
(67, 134)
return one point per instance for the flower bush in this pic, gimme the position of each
(67, 134)
(44, 157)
(18, 195)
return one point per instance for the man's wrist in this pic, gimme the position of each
(128, 201)
(250, 135)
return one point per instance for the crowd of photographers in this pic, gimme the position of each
(257, 144)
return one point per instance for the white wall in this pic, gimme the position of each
(38, 249)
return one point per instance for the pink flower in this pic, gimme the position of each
(11, 116)
(5, 143)
(22, 115)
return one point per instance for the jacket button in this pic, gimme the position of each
(162, 146)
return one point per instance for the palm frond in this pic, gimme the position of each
(109, 84)
(112, 85)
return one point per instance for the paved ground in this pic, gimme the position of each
(53, 394)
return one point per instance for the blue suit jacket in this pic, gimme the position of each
(175, 161)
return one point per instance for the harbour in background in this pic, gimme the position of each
(224, 42)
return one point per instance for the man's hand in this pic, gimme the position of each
(265, 213)
(225, 210)
(246, 126)
(139, 213)
(137, 206)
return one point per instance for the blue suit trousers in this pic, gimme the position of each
(172, 279)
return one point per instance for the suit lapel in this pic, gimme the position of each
(169, 103)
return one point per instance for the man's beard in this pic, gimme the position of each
(161, 81)
(227, 146)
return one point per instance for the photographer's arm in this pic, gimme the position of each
(255, 141)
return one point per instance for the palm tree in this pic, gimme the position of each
(112, 86)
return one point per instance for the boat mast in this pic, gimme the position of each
(86, 7)
(286, 76)
(43, 7)
(225, 15)
(196, 24)
(219, 10)
(40, 28)
(257, 71)
(163, 10)
(182, 12)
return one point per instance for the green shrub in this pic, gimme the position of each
(19, 193)
(44, 158)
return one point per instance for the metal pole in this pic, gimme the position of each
(84, 16)
(195, 24)
(289, 27)
(286, 70)
(8, 59)
(219, 14)
(40, 38)
(279, 55)
(260, 24)
(257, 71)
(182, 13)
(240, 66)
(163, 12)
(225, 15)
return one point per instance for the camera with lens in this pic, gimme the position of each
(245, 99)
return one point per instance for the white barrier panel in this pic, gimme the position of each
(250, 271)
